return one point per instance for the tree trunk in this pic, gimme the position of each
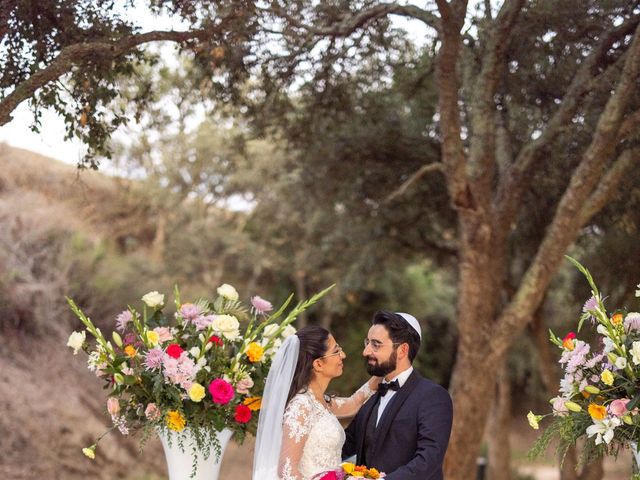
(497, 433)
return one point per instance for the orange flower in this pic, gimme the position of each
(597, 412)
(254, 403)
(569, 342)
(373, 473)
(617, 319)
(130, 351)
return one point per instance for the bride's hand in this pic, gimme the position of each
(374, 382)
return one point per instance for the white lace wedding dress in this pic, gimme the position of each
(312, 436)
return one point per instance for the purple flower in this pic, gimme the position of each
(632, 322)
(591, 306)
(202, 323)
(123, 319)
(154, 358)
(261, 305)
(190, 312)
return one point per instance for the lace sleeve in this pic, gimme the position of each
(295, 431)
(348, 406)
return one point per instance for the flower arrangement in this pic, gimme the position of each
(350, 471)
(192, 371)
(598, 395)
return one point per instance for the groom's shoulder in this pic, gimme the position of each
(429, 387)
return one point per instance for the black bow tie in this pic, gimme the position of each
(383, 388)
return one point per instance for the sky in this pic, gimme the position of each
(50, 140)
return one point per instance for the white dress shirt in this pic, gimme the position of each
(384, 401)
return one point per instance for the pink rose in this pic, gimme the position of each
(164, 334)
(113, 406)
(221, 391)
(243, 386)
(559, 408)
(152, 412)
(619, 407)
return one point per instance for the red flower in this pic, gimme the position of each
(174, 350)
(243, 414)
(568, 342)
(216, 340)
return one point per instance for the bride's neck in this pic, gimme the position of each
(318, 386)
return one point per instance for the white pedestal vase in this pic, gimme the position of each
(180, 462)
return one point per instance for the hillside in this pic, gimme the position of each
(62, 234)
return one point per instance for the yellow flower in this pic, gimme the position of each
(175, 420)
(607, 377)
(348, 467)
(617, 319)
(254, 403)
(130, 351)
(196, 392)
(357, 474)
(153, 338)
(90, 452)
(597, 412)
(534, 420)
(373, 473)
(255, 352)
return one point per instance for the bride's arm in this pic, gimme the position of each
(349, 406)
(295, 431)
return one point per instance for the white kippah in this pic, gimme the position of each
(411, 320)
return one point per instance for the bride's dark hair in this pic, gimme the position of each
(313, 344)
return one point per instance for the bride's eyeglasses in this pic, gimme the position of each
(377, 345)
(336, 351)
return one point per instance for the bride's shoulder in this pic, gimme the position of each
(300, 400)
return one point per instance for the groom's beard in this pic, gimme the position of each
(378, 369)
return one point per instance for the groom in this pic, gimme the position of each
(403, 430)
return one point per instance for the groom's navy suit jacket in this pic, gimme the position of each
(412, 435)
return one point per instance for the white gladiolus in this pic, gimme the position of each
(635, 353)
(76, 340)
(621, 363)
(288, 331)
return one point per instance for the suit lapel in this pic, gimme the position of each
(361, 427)
(393, 407)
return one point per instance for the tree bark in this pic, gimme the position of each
(497, 433)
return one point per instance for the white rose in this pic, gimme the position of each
(76, 340)
(228, 292)
(271, 329)
(227, 325)
(153, 299)
(288, 331)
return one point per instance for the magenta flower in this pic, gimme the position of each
(261, 305)
(221, 391)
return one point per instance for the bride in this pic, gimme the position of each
(299, 435)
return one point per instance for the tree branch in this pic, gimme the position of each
(350, 24)
(607, 187)
(417, 175)
(516, 178)
(568, 217)
(81, 52)
(483, 108)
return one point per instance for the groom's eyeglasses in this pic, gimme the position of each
(336, 351)
(377, 345)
